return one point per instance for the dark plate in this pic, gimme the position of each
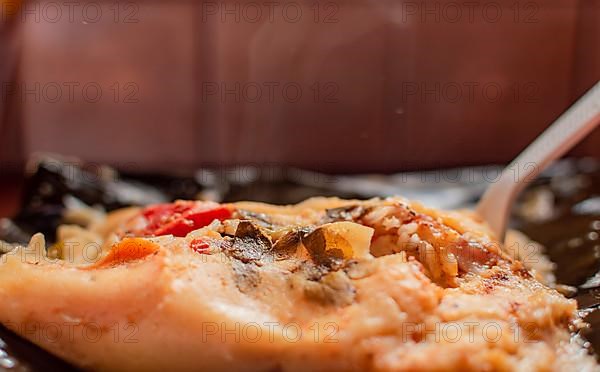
(568, 196)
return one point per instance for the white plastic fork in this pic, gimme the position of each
(570, 128)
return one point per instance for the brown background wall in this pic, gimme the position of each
(366, 63)
(11, 144)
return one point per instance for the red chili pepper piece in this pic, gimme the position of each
(180, 227)
(182, 217)
(204, 218)
(198, 245)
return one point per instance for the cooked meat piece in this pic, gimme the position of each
(324, 285)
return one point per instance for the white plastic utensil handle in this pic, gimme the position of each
(570, 128)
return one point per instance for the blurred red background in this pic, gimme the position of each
(385, 86)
